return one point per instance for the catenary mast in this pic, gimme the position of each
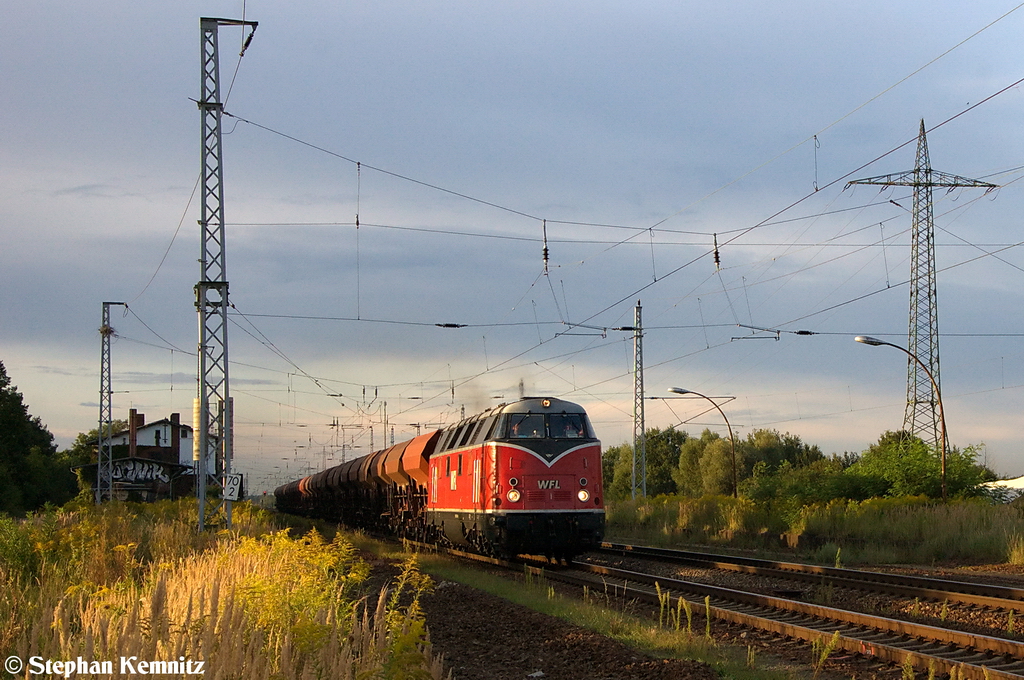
(105, 448)
(639, 479)
(212, 417)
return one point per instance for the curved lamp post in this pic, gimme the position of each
(875, 342)
(732, 439)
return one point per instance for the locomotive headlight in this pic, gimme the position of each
(583, 495)
(513, 495)
(583, 481)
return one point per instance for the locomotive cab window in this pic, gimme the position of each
(567, 426)
(526, 426)
(493, 427)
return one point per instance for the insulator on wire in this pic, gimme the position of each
(544, 226)
(718, 259)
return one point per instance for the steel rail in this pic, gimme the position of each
(929, 648)
(998, 597)
(891, 640)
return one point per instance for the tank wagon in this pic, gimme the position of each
(518, 478)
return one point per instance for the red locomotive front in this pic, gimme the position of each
(519, 478)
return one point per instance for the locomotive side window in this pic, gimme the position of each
(456, 436)
(526, 426)
(567, 426)
(446, 439)
(473, 434)
(467, 433)
(483, 432)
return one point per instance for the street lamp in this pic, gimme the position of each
(732, 439)
(875, 342)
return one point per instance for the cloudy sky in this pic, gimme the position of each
(636, 134)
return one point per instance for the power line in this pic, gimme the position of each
(383, 171)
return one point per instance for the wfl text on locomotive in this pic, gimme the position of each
(518, 478)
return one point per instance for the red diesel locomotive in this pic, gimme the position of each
(518, 478)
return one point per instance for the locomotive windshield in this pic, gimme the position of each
(567, 426)
(552, 426)
(526, 426)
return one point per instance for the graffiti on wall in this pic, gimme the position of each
(140, 471)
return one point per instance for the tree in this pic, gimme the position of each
(820, 481)
(909, 467)
(662, 448)
(617, 467)
(705, 465)
(31, 471)
(84, 451)
(773, 448)
(663, 459)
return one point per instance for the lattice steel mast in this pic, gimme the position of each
(212, 414)
(921, 417)
(104, 447)
(639, 478)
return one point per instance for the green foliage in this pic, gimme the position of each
(908, 467)
(17, 554)
(788, 488)
(774, 449)
(31, 471)
(303, 578)
(617, 467)
(696, 465)
(663, 459)
(913, 529)
(406, 625)
(662, 448)
(706, 464)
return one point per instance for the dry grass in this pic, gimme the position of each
(137, 584)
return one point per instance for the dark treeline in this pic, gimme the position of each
(32, 471)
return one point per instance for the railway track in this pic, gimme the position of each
(909, 586)
(930, 649)
(895, 641)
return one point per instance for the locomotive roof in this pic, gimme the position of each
(543, 405)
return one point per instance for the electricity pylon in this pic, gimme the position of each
(921, 417)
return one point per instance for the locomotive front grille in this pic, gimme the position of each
(544, 496)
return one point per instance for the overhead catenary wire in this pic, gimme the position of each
(450, 324)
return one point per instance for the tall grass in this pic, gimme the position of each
(912, 530)
(123, 581)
